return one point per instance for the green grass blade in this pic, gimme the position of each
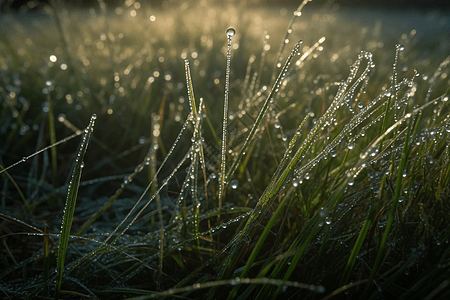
(264, 109)
(357, 247)
(46, 258)
(223, 157)
(69, 208)
(52, 131)
(259, 245)
(22, 196)
(398, 189)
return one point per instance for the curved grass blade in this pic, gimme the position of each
(69, 208)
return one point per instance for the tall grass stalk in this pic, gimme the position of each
(223, 157)
(69, 207)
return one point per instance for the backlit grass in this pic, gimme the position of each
(328, 179)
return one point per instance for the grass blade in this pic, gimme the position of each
(46, 258)
(223, 156)
(69, 208)
(51, 128)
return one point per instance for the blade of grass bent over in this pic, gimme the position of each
(69, 208)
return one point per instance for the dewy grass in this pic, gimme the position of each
(325, 177)
(69, 207)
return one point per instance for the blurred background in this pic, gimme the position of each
(373, 4)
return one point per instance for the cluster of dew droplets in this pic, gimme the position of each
(368, 157)
(395, 86)
(159, 189)
(297, 13)
(345, 93)
(265, 201)
(223, 178)
(69, 206)
(269, 100)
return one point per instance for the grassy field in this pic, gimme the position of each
(224, 152)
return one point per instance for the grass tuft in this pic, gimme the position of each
(324, 177)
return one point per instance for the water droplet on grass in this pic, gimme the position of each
(231, 32)
(322, 212)
(400, 47)
(45, 107)
(61, 117)
(234, 184)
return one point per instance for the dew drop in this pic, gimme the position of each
(234, 184)
(61, 117)
(138, 168)
(400, 47)
(231, 32)
(333, 153)
(45, 107)
(322, 212)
